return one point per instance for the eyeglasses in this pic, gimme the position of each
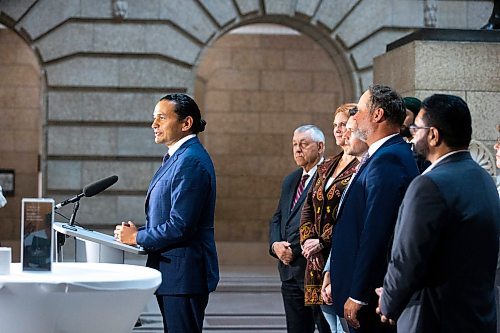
(414, 128)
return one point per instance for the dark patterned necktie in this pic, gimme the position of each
(364, 158)
(165, 158)
(300, 189)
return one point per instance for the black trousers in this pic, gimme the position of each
(301, 318)
(182, 313)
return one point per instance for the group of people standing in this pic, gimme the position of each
(364, 243)
(366, 220)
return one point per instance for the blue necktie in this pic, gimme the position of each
(165, 158)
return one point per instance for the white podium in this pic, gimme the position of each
(95, 247)
(76, 298)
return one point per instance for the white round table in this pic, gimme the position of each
(76, 298)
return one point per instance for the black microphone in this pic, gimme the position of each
(99, 186)
(91, 190)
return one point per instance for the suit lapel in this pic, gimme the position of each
(168, 164)
(395, 139)
(298, 205)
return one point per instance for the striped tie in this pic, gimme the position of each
(300, 189)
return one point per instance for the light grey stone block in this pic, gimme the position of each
(119, 38)
(223, 11)
(132, 175)
(451, 14)
(64, 175)
(366, 79)
(84, 71)
(98, 210)
(307, 7)
(119, 72)
(76, 141)
(101, 106)
(167, 41)
(131, 207)
(144, 9)
(364, 20)
(423, 94)
(96, 9)
(248, 6)
(457, 66)
(68, 39)
(279, 7)
(153, 73)
(45, 15)
(134, 141)
(15, 9)
(478, 13)
(483, 106)
(364, 52)
(396, 69)
(330, 13)
(407, 13)
(189, 16)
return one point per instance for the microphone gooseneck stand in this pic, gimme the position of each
(73, 215)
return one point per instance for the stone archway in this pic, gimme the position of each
(104, 70)
(256, 84)
(20, 129)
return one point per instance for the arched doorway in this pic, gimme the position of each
(256, 84)
(20, 129)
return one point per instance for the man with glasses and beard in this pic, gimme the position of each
(441, 275)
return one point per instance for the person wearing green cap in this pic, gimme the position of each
(412, 105)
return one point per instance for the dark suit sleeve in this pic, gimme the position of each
(385, 182)
(416, 237)
(275, 226)
(188, 195)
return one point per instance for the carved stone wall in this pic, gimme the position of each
(104, 64)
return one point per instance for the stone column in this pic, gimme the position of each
(459, 62)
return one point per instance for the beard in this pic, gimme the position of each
(421, 148)
(361, 134)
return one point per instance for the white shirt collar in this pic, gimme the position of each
(178, 144)
(377, 144)
(442, 158)
(312, 171)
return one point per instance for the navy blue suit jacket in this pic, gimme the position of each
(179, 231)
(285, 224)
(365, 223)
(441, 277)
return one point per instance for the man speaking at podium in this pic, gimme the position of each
(180, 204)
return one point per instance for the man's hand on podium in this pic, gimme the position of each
(126, 233)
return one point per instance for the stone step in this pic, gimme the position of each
(152, 323)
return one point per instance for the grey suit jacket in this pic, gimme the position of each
(442, 270)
